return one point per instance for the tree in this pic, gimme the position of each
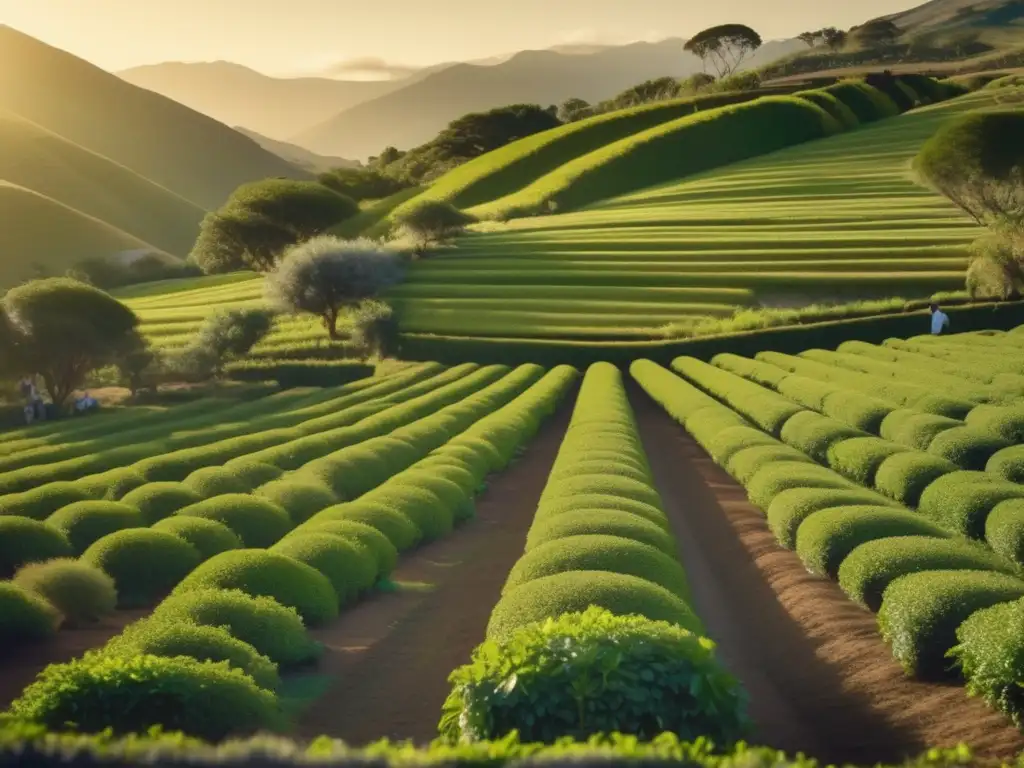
(432, 222)
(648, 91)
(135, 360)
(374, 329)
(480, 132)
(262, 218)
(697, 82)
(327, 275)
(63, 329)
(834, 38)
(360, 183)
(226, 334)
(574, 109)
(879, 33)
(725, 46)
(996, 268)
(810, 39)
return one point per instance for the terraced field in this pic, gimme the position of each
(833, 219)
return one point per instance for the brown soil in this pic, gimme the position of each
(391, 655)
(20, 666)
(821, 679)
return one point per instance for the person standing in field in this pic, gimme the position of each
(940, 320)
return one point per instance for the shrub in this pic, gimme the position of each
(145, 564)
(25, 617)
(826, 537)
(257, 572)
(384, 553)
(457, 503)
(990, 647)
(400, 530)
(961, 501)
(904, 476)
(349, 566)
(157, 501)
(914, 428)
(745, 464)
(599, 553)
(153, 637)
(424, 508)
(551, 596)
(257, 522)
(1008, 464)
(24, 540)
(1006, 422)
(842, 113)
(207, 536)
(253, 473)
(921, 612)
(1004, 529)
(39, 503)
(432, 222)
(968, 447)
(859, 457)
(600, 522)
(814, 434)
(132, 695)
(213, 481)
(111, 485)
(867, 103)
(300, 500)
(582, 502)
(80, 591)
(726, 443)
(86, 522)
(791, 507)
(872, 566)
(772, 479)
(274, 630)
(647, 677)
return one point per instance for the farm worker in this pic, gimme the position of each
(85, 403)
(940, 320)
(31, 395)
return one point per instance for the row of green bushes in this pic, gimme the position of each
(598, 596)
(299, 373)
(924, 581)
(793, 339)
(207, 661)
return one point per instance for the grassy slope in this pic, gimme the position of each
(37, 230)
(182, 150)
(34, 158)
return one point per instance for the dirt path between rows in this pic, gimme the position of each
(821, 679)
(390, 656)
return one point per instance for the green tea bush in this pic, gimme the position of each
(253, 473)
(810, 393)
(300, 500)
(644, 678)
(626, 487)
(1004, 529)
(1008, 464)
(1006, 422)
(81, 592)
(152, 637)
(866, 102)
(726, 443)
(914, 428)
(598, 552)
(456, 501)
(257, 522)
(274, 630)
(24, 540)
(600, 522)
(601, 501)
(145, 564)
(872, 566)
(132, 695)
(745, 464)
(399, 529)
(791, 507)
(349, 566)
(814, 434)
(576, 591)
(962, 501)
(208, 536)
(214, 481)
(86, 522)
(258, 572)
(157, 501)
(111, 485)
(828, 536)
(842, 113)
(859, 458)
(943, 406)
(772, 479)
(857, 410)
(921, 612)
(385, 554)
(990, 647)
(967, 447)
(39, 503)
(904, 476)
(427, 512)
(25, 617)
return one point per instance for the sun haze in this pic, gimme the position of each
(314, 36)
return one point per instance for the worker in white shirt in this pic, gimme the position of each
(940, 320)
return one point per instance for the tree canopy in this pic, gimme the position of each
(432, 222)
(724, 46)
(361, 183)
(876, 34)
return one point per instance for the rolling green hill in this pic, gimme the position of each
(42, 161)
(41, 236)
(190, 154)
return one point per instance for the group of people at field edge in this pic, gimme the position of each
(35, 407)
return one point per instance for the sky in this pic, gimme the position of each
(292, 37)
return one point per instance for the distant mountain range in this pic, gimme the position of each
(358, 119)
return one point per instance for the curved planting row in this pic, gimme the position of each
(929, 585)
(207, 661)
(593, 632)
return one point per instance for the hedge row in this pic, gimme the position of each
(300, 373)
(923, 580)
(599, 577)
